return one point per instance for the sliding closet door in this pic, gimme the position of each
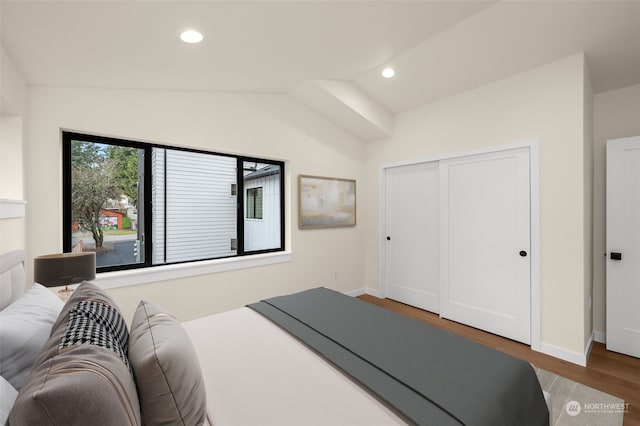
(485, 272)
(412, 243)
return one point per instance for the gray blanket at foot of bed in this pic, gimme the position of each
(429, 375)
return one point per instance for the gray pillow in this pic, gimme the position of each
(81, 376)
(166, 368)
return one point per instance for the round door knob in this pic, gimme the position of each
(388, 238)
(523, 253)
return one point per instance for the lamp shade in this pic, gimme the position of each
(54, 270)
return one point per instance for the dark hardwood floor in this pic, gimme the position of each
(610, 372)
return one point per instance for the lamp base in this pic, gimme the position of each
(65, 293)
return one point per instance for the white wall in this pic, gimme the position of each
(616, 115)
(13, 99)
(269, 126)
(547, 104)
(13, 88)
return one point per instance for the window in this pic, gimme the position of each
(138, 204)
(254, 203)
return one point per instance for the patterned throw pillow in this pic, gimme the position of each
(99, 324)
(82, 376)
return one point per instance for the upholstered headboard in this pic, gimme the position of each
(13, 277)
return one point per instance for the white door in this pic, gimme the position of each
(623, 246)
(412, 243)
(485, 270)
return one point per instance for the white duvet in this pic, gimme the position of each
(257, 374)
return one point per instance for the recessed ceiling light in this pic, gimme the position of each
(191, 36)
(388, 72)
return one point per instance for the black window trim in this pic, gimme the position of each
(69, 136)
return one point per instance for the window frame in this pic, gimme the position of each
(147, 147)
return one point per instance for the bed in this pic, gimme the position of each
(316, 357)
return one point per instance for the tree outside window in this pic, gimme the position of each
(104, 195)
(93, 184)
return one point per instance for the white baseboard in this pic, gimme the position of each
(372, 292)
(600, 337)
(565, 354)
(361, 291)
(587, 349)
(356, 293)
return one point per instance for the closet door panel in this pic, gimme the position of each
(485, 271)
(412, 242)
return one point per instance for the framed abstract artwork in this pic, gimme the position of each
(325, 202)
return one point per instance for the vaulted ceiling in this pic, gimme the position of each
(325, 53)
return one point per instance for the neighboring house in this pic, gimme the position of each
(183, 229)
(207, 229)
(261, 208)
(109, 219)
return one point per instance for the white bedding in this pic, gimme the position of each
(257, 374)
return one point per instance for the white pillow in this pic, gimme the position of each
(7, 397)
(25, 326)
(13, 280)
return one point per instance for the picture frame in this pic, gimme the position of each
(326, 202)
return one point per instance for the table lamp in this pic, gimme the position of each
(64, 269)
